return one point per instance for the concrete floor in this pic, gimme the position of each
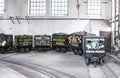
(54, 65)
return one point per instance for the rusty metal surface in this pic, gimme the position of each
(107, 35)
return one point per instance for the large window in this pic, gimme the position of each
(59, 7)
(37, 7)
(1, 7)
(94, 7)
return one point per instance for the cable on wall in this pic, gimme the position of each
(27, 18)
(12, 19)
(18, 19)
(78, 7)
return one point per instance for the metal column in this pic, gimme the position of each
(119, 21)
(112, 22)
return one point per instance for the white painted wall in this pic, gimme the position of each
(20, 8)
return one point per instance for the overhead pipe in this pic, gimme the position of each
(78, 8)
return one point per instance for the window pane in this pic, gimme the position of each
(59, 7)
(1, 7)
(37, 7)
(2, 1)
(94, 7)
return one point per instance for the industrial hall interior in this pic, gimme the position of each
(59, 38)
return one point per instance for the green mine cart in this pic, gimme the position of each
(23, 42)
(60, 42)
(6, 43)
(42, 42)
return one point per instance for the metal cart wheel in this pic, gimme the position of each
(87, 61)
(63, 50)
(45, 48)
(2, 50)
(80, 53)
(39, 49)
(101, 62)
(22, 50)
(57, 49)
(27, 49)
(75, 51)
(95, 63)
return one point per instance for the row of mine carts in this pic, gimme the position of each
(91, 46)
